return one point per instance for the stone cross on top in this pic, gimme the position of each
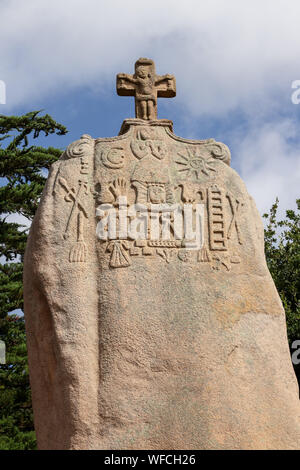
(146, 87)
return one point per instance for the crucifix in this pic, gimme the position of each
(146, 87)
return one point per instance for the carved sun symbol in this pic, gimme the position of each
(193, 162)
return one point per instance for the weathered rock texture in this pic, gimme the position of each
(150, 345)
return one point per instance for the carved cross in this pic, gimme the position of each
(146, 87)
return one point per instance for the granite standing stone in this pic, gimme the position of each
(150, 343)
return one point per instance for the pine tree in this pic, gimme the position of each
(282, 247)
(23, 169)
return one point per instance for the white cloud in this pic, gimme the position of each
(232, 56)
(24, 225)
(224, 54)
(269, 163)
(18, 219)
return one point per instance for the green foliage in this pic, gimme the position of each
(16, 421)
(282, 247)
(23, 170)
(22, 165)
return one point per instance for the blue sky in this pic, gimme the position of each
(234, 63)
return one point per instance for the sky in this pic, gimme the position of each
(234, 62)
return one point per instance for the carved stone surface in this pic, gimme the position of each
(146, 343)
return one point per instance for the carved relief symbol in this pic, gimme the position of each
(216, 218)
(203, 255)
(78, 251)
(140, 247)
(113, 157)
(156, 193)
(190, 192)
(224, 261)
(193, 163)
(146, 144)
(84, 165)
(118, 188)
(150, 178)
(235, 259)
(167, 255)
(184, 255)
(234, 222)
(221, 261)
(119, 256)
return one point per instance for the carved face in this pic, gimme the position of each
(143, 72)
(157, 194)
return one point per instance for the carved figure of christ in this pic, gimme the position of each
(146, 87)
